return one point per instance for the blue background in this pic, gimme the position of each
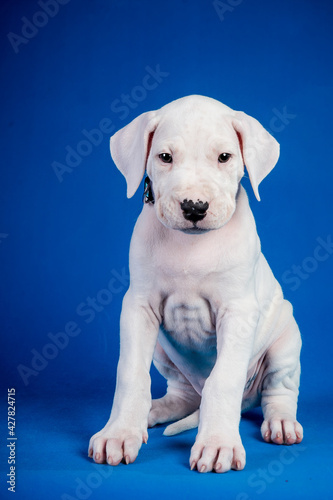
(62, 242)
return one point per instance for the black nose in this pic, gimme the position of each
(194, 211)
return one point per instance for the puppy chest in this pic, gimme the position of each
(188, 321)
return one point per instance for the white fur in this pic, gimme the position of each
(203, 301)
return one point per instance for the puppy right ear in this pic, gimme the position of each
(130, 148)
(259, 148)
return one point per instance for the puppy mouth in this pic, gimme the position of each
(194, 230)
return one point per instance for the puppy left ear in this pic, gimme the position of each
(130, 148)
(259, 148)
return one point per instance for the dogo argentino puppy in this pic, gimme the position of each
(203, 303)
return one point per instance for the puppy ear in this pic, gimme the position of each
(259, 149)
(130, 148)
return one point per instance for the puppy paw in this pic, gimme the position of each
(217, 453)
(112, 445)
(282, 431)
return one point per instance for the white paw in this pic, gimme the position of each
(113, 445)
(218, 453)
(282, 431)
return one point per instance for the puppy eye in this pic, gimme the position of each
(224, 157)
(165, 157)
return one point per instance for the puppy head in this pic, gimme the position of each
(194, 150)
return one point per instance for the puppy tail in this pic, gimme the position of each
(182, 425)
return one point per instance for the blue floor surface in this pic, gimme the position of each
(52, 463)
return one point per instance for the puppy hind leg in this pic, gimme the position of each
(279, 390)
(180, 399)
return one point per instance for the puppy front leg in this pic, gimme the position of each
(218, 444)
(122, 436)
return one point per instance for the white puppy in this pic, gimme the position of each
(202, 302)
